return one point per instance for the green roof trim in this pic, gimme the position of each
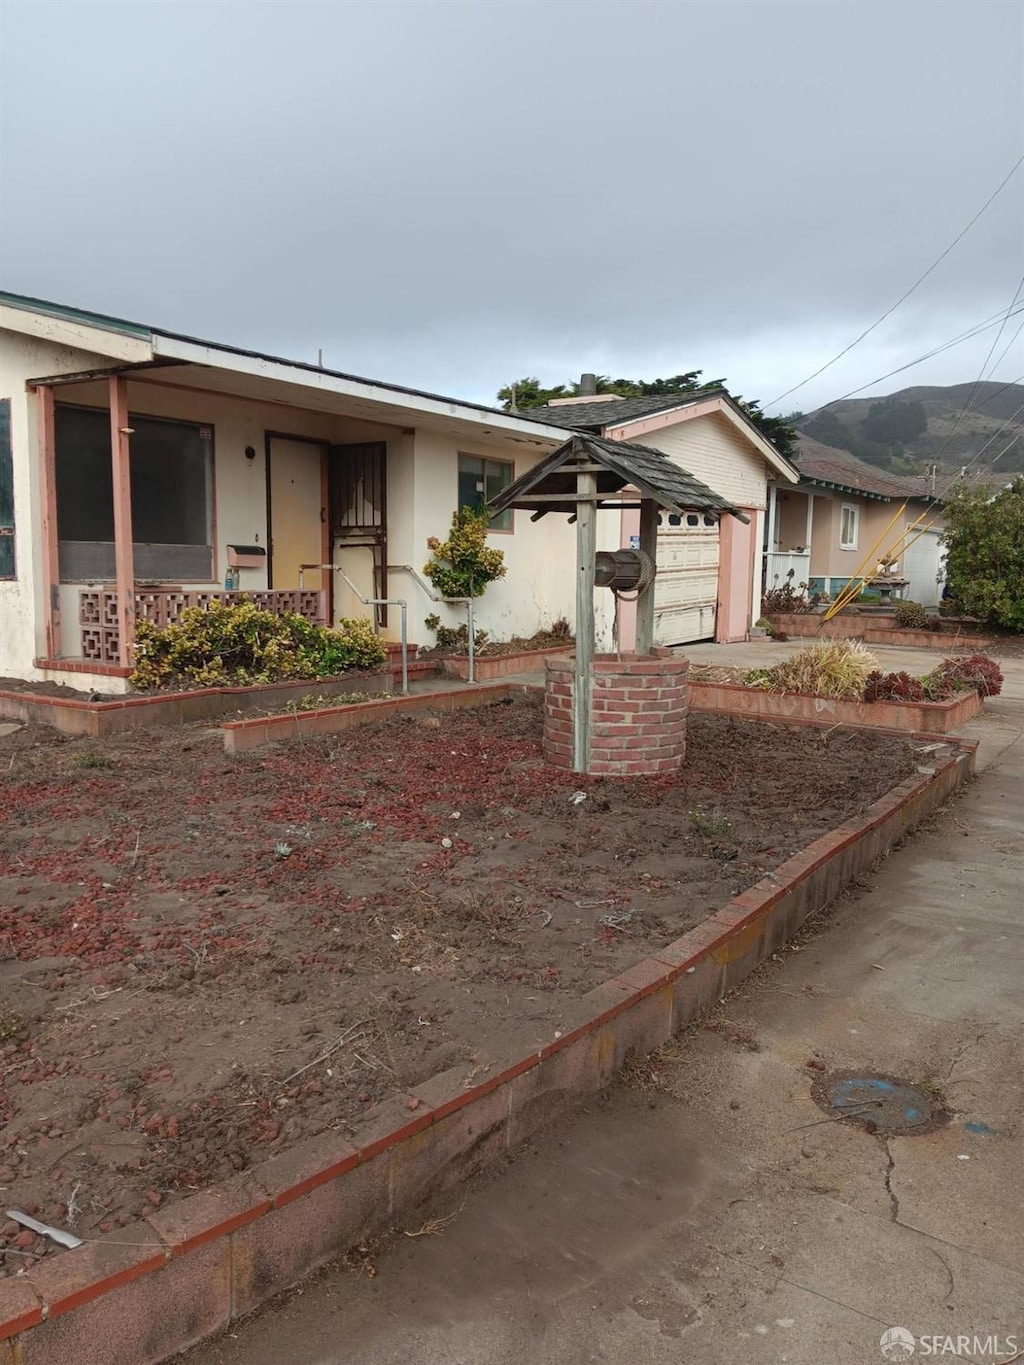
(56, 310)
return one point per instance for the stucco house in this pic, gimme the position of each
(141, 470)
(843, 511)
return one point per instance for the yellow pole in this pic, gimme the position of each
(846, 595)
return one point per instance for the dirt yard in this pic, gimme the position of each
(203, 960)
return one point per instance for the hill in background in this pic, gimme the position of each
(905, 432)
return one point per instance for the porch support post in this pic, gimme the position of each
(810, 522)
(645, 599)
(123, 561)
(48, 491)
(586, 552)
(773, 518)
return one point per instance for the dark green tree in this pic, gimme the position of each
(984, 539)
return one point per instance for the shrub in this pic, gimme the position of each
(960, 675)
(240, 643)
(911, 615)
(935, 623)
(778, 600)
(833, 668)
(463, 565)
(984, 539)
(893, 687)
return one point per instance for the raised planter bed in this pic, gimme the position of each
(94, 719)
(489, 666)
(242, 735)
(874, 627)
(155, 1287)
(914, 717)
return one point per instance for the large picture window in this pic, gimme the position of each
(480, 480)
(172, 497)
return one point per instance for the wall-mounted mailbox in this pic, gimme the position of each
(246, 557)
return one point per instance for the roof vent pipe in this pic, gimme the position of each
(588, 385)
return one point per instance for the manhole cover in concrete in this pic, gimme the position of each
(879, 1104)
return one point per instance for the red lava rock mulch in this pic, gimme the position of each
(203, 960)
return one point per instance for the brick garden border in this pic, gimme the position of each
(95, 719)
(186, 1271)
(489, 666)
(876, 629)
(913, 717)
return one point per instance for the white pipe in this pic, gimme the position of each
(373, 602)
(452, 601)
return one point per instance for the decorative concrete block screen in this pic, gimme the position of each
(638, 721)
(97, 611)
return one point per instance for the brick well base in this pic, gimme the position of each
(638, 717)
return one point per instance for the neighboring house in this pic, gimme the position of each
(844, 516)
(709, 569)
(142, 470)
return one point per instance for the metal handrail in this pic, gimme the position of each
(372, 602)
(452, 601)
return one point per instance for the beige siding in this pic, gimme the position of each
(714, 451)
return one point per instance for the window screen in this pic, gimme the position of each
(171, 484)
(6, 492)
(480, 480)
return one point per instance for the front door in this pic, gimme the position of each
(297, 512)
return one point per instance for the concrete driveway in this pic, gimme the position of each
(706, 1210)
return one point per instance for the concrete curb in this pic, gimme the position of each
(161, 1285)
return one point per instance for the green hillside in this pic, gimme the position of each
(907, 431)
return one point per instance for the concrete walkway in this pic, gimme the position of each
(707, 1211)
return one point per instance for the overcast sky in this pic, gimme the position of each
(451, 194)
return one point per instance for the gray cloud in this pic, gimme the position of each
(452, 194)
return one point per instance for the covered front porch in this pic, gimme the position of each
(172, 484)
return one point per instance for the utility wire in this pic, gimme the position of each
(976, 330)
(903, 297)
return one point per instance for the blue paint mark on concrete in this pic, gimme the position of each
(980, 1128)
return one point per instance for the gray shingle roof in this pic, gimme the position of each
(609, 412)
(624, 465)
(827, 465)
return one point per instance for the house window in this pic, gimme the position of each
(6, 492)
(172, 498)
(849, 526)
(480, 480)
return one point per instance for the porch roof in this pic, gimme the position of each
(620, 466)
(243, 373)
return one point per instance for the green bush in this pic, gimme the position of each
(911, 615)
(222, 645)
(984, 539)
(464, 564)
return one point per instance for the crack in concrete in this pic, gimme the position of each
(894, 1202)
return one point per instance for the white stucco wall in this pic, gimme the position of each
(540, 557)
(22, 632)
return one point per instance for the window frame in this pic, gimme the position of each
(207, 433)
(854, 510)
(8, 530)
(485, 460)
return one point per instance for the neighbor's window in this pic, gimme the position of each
(6, 492)
(848, 527)
(480, 480)
(172, 497)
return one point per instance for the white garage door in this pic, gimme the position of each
(922, 565)
(686, 588)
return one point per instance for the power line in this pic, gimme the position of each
(969, 334)
(903, 297)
